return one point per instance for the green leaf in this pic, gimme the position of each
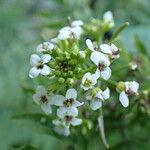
(119, 30)
(26, 147)
(140, 46)
(40, 123)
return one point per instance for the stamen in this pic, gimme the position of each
(68, 118)
(101, 66)
(44, 99)
(68, 102)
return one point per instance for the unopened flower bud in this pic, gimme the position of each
(82, 54)
(120, 87)
(61, 80)
(70, 81)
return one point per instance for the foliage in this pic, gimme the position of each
(23, 21)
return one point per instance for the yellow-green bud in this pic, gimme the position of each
(82, 54)
(120, 86)
(61, 80)
(70, 81)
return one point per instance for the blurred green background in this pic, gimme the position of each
(23, 25)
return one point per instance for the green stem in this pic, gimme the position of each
(114, 83)
(120, 29)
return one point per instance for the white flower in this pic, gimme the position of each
(77, 23)
(69, 115)
(131, 88)
(68, 101)
(108, 17)
(41, 98)
(90, 45)
(39, 65)
(55, 40)
(97, 97)
(73, 31)
(133, 65)
(102, 62)
(88, 81)
(70, 33)
(44, 47)
(111, 50)
(61, 127)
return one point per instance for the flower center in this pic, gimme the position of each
(68, 118)
(116, 52)
(68, 102)
(45, 46)
(40, 65)
(44, 99)
(130, 92)
(96, 48)
(101, 66)
(87, 83)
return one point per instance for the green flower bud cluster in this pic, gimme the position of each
(67, 60)
(97, 27)
(144, 103)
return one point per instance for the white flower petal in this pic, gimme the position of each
(94, 78)
(99, 95)
(76, 121)
(132, 86)
(114, 48)
(41, 90)
(39, 48)
(36, 98)
(62, 130)
(64, 34)
(71, 93)
(46, 58)
(76, 23)
(106, 73)
(46, 108)
(95, 57)
(34, 59)
(56, 122)
(105, 48)
(90, 44)
(86, 76)
(77, 104)
(108, 16)
(106, 93)
(63, 111)
(58, 100)
(77, 31)
(95, 104)
(34, 72)
(45, 70)
(124, 99)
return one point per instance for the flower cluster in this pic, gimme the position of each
(77, 72)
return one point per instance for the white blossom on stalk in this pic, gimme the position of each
(39, 65)
(88, 81)
(72, 31)
(97, 97)
(41, 98)
(111, 50)
(90, 45)
(108, 18)
(131, 88)
(103, 63)
(44, 47)
(69, 115)
(61, 127)
(76, 23)
(67, 101)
